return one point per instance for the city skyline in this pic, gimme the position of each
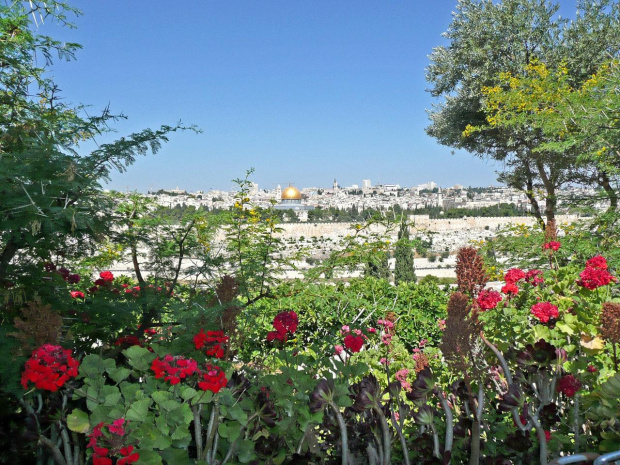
(303, 91)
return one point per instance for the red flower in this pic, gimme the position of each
(595, 277)
(568, 385)
(553, 245)
(284, 323)
(544, 311)
(101, 282)
(488, 299)
(547, 436)
(353, 343)
(597, 262)
(213, 340)
(107, 276)
(513, 275)
(117, 427)
(113, 444)
(592, 369)
(212, 379)
(77, 294)
(102, 460)
(49, 267)
(173, 369)
(93, 289)
(510, 288)
(130, 340)
(73, 278)
(534, 277)
(64, 273)
(49, 368)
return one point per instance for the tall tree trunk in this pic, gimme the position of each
(529, 192)
(10, 249)
(612, 195)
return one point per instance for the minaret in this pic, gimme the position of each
(335, 184)
(278, 192)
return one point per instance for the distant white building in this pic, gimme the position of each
(366, 184)
(427, 186)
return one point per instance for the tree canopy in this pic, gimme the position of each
(488, 39)
(51, 195)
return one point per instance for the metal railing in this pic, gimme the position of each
(610, 458)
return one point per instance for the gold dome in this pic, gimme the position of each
(291, 193)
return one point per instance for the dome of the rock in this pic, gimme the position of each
(291, 193)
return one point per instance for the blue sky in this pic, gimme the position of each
(301, 91)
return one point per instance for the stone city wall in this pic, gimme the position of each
(419, 222)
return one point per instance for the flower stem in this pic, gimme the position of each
(386, 435)
(343, 434)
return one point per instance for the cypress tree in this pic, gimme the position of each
(404, 268)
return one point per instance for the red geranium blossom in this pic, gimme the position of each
(488, 299)
(284, 323)
(129, 340)
(117, 427)
(553, 245)
(114, 445)
(107, 276)
(544, 311)
(77, 294)
(594, 277)
(49, 368)
(173, 369)
(510, 288)
(213, 340)
(597, 262)
(568, 385)
(513, 275)
(534, 277)
(212, 379)
(353, 343)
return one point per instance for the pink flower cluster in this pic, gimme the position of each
(49, 368)
(544, 311)
(595, 274)
(285, 323)
(488, 299)
(401, 377)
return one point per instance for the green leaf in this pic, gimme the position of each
(93, 365)
(138, 410)
(139, 357)
(119, 374)
(174, 456)
(188, 393)
(161, 396)
(112, 399)
(148, 457)
(565, 328)
(78, 421)
(246, 451)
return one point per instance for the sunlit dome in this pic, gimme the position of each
(291, 193)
